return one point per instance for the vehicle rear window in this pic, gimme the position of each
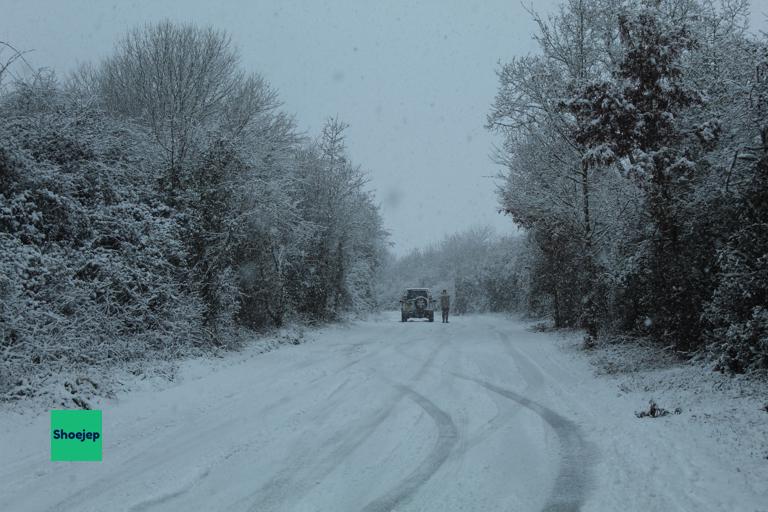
(412, 294)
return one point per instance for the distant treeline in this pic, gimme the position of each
(157, 203)
(636, 158)
(482, 272)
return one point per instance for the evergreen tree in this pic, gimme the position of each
(637, 122)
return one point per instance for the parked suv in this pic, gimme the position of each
(417, 303)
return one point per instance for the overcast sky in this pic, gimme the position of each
(413, 79)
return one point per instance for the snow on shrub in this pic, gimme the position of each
(86, 279)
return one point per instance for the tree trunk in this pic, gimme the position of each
(589, 314)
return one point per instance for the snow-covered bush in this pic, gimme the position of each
(738, 311)
(92, 262)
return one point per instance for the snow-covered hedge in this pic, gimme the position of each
(124, 238)
(91, 262)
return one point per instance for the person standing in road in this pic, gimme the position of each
(445, 305)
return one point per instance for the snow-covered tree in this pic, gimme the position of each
(182, 81)
(636, 176)
(249, 226)
(549, 183)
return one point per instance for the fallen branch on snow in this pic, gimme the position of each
(654, 411)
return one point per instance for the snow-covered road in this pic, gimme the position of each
(477, 415)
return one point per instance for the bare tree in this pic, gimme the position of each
(181, 81)
(6, 63)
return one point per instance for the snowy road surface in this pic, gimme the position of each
(477, 415)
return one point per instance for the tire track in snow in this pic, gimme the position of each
(574, 477)
(291, 482)
(189, 484)
(576, 455)
(167, 496)
(284, 484)
(533, 376)
(447, 437)
(504, 414)
(136, 465)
